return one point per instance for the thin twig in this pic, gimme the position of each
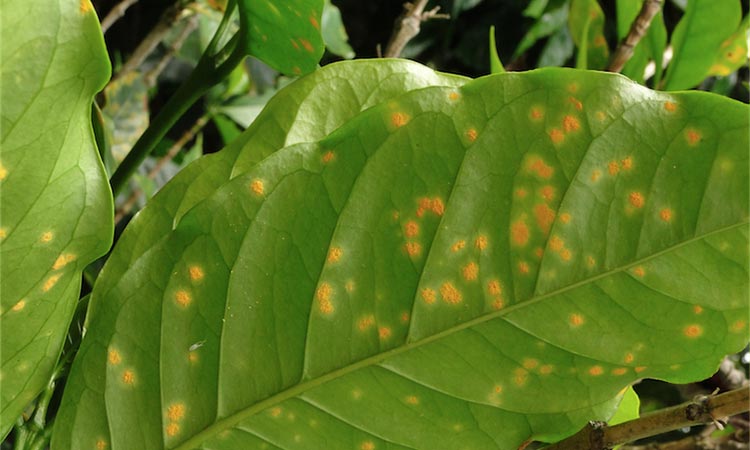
(186, 137)
(150, 77)
(116, 13)
(407, 26)
(637, 30)
(152, 39)
(704, 409)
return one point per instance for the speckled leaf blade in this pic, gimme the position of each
(56, 207)
(586, 23)
(733, 52)
(457, 267)
(697, 40)
(285, 35)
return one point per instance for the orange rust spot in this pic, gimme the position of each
(545, 216)
(84, 6)
(275, 411)
(536, 113)
(413, 248)
(636, 199)
(497, 304)
(308, 46)
(599, 41)
(46, 237)
(613, 168)
(437, 206)
(471, 134)
(405, 317)
(521, 193)
(590, 261)
(295, 44)
(256, 186)
(619, 371)
(450, 294)
(539, 252)
(628, 358)
(494, 287)
(323, 295)
(367, 445)
(565, 254)
(520, 376)
(173, 429)
(546, 369)
(176, 411)
(571, 123)
(399, 119)
(424, 204)
(541, 169)
(428, 295)
(670, 106)
(314, 22)
(565, 218)
(193, 357)
(497, 389)
(576, 103)
(519, 232)
(196, 273)
(639, 271)
(183, 298)
(666, 215)
(412, 400)
(573, 88)
(454, 95)
(51, 282)
(328, 157)
(595, 175)
(738, 326)
(3, 233)
(697, 309)
(692, 136)
(411, 229)
(21, 304)
(576, 320)
(113, 356)
(595, 371)
(600, 116)
(693, 331)
(296, 70)
(128, 377)
(530, 363)
(523, 267)
(480, 243)
(349, 286)
(556, 136)
(334, 254)
(458, 245)
(640, 369)
(556, 244)
(63, 260)
(627, 163)
(384, 333)
(101, 444)
(548, 193)
(470, 271)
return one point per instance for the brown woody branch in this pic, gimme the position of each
(702, 410)
(116, 13)
(407, 26)
(637, 30)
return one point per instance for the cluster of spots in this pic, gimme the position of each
(636, 199)
(495, 291)
(367, 445)
(470, 272)
(428, 295)
(113, 357)
(334, 254)
(50, 282)
(257, 187)
(519, 232)
(384, 333)
(399, 119)
(480, 243)
(434, 205)
(323, 296)
(569, 124)
(101, 444)
(450, 294)
(174, 414)
(539, 167)
(557, 245)
(63, 260)
(472, 134)
(458, 246)
(304, 43)
(128, 377)
(411, 228)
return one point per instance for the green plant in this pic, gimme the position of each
(388, 257)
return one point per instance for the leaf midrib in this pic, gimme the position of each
(298, 389)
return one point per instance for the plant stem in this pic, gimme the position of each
(407, 26)
(637, 30)
(116, 13)
(704, 409)
(209, 71)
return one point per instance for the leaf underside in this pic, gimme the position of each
(56, 207)
(462, 264)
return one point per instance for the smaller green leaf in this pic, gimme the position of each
(558, 49)
(586, 23)
(285, 35)
(549, 23)
(496, 66)
(733, 52)
(697, 40)
(334, 32)
(535, 8)
(628, 409)
(126, 113)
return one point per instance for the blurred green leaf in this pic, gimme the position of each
(586, 23)
(228, 129)
(697, 40)
(733, 52)
(549, 23)
(535, 8)
(126, 114)
(428, 262)
(496, 66)
(56, 209)
(334, 33)
(558, 49)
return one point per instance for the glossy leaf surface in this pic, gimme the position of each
(285, 35)
(697, 40)
(56, 211)
(463, 264)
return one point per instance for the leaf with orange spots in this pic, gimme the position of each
(586, 23)
(732, 52)
(56, 209)
(408, 267)
(698, 40)
(285, 35)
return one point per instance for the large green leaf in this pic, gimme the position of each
(697, 40)
(454, 267)
(285, 35)
(56, 207)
